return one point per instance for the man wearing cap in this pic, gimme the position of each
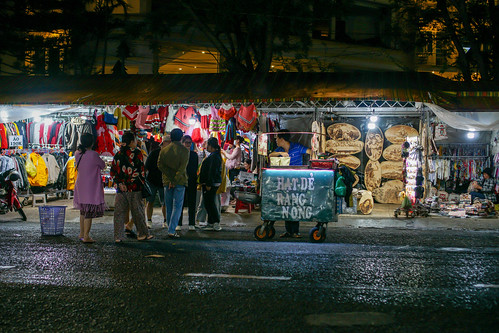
(172, 162)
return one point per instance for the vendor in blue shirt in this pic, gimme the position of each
(285, 148)
(295, 151)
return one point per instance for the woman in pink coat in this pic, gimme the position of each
(89, 190)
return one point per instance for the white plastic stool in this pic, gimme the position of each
(42, 196)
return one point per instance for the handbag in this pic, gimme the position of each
(146, 189)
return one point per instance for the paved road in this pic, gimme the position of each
(375, 279)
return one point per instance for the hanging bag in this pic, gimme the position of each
(30, 167)
(340, 189)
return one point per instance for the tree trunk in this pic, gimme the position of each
(475, 46)
(462, 62)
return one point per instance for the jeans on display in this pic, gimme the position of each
(209, 198)
(174, 200)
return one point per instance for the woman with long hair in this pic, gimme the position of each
(210, 178)
(89, 189)
(127, 171)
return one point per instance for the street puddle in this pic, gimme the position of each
(350, 319)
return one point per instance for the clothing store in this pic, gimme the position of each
(391, 139)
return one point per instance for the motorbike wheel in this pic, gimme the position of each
(21, 212)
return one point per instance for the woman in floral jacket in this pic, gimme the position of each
(127, 171)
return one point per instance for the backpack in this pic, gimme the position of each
(246, 118)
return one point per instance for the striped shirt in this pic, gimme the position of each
(295, 153)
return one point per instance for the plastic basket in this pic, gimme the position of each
(52, 219)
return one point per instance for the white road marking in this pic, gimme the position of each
(480, 285)
(230, 276)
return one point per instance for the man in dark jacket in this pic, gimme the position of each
(154, 178)
(192, 183)
(210, 178)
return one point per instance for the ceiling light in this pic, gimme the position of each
(371, 126)
(180, 68)
(471, 135)
(203, 52)
(373, 118)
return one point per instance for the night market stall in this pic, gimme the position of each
(353, 120)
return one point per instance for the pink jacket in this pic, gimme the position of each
(234, 158)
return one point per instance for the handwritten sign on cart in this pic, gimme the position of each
(298, 195)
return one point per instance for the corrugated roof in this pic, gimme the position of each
(166, 89)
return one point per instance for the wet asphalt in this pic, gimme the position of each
(359, 280)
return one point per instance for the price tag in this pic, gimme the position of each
(15, 141)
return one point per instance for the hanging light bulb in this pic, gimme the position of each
(371, 126)
(373, 118)
(471, 135)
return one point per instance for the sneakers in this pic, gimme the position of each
(175, 235)
(209, 227)
(178, 228)
(297, 236)
(217, 227)
(165, 225)
(149, 224)
(285, 235)
(192, 228)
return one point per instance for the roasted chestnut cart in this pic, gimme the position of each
(304, 195)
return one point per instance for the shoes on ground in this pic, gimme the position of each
(178, 228)
(217, 227)
(149, 224)
(209, 227)
(297, 236)
(165, 225)
(192, 228)
(285, 235)
(175, 235)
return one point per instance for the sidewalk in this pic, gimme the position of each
(381, 217)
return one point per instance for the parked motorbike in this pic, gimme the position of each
(8, 193)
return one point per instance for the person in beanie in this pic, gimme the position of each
(172, 162)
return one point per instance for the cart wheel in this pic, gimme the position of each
(259, 234)
(316, 236)
(270, 232)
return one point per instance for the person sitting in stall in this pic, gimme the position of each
(484, 188)
(285, 148)
(295, 151)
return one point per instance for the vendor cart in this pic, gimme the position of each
(297, 194)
